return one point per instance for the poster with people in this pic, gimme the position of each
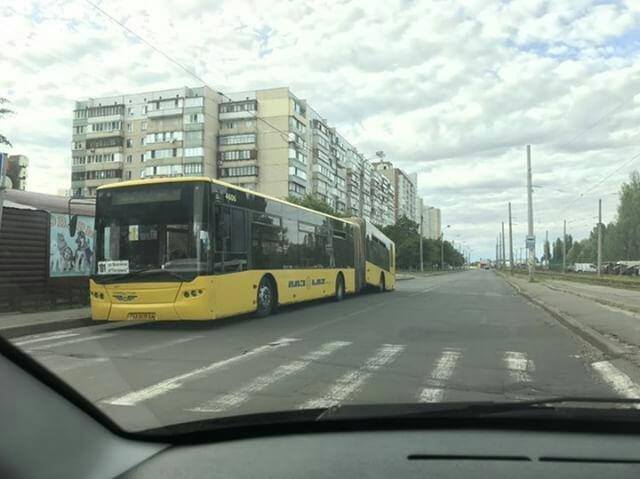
(71, 255)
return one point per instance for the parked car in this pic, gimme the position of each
(584, 268)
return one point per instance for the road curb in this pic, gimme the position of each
(405, 278)
(606, 302)
(46, 327)
(590, 335)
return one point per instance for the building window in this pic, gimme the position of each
(129, 158)
(239, 171)
(130, 111)
(195, 101)
(129, 143)
(143, 125)
(142, 141)
(298, 108)
(194, 118)
(128, 175)
(77, 145)
(296, 188)
(129, 126)
(160, 154)
(165, 137)
(235, 155)
(193, 169)
(238, 106)
(105, 110)
(78, 130)
(142, 157)
(198, 151)
(295, 171)
(238, 139)
(296, 125)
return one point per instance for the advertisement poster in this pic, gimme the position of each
(70, 255)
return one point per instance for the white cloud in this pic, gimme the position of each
(452, 91)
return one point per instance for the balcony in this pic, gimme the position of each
(233, 115)
(103, 134)
(165, 112)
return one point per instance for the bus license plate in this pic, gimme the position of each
(141, 316)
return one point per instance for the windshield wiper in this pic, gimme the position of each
(141, 271)
(474, 409)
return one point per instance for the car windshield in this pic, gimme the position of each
(220, 210)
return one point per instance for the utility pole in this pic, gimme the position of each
(421, 255)
(497, 255)
(510, 241)
(504, 256)
(531, 239)
(599, 237)
(564, 247)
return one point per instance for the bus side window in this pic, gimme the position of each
(230, 240)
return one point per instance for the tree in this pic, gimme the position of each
(4, 111)
(557, 251)
(625, 236)
(547, 251)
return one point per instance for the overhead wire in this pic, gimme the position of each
(190, 72)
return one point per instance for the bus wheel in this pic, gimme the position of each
(339, 288)
(382, 285)
(266, 297)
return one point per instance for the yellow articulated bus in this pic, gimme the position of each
(198, 249)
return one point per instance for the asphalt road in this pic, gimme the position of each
(456, 337)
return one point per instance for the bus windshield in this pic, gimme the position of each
(156, 232)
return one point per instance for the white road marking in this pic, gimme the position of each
(519, 366)
(243, 394)
(619, 381)
(85, 362)
(136, 397)
(353, 380)
(439, 376)
(73, 341)
(48, 337)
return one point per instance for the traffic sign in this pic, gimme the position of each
(531, 242)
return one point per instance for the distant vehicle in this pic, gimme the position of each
(584, 268)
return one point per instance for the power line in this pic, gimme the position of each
(601, 180)
(178, 64)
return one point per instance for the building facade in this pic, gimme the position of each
(432, 222)
(404, 187)
(268, 140)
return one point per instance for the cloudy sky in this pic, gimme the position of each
(450, 90)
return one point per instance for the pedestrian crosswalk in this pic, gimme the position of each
(299, 373)
(353, 380)
(439, 377)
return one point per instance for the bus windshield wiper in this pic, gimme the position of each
(142, 271)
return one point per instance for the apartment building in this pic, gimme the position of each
(432, 222)
(404, 187)
(169, 132)
(267, 140)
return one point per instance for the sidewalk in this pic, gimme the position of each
(19, 324)
(616, 297)
(616, 332)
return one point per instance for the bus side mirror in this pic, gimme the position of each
(73, 224)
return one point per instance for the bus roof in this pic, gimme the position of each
(183, 179)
